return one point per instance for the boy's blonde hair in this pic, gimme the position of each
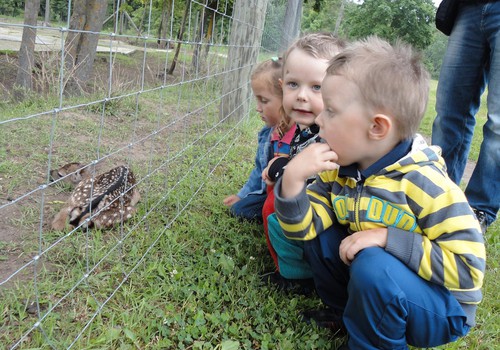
(391, 78)
(321, 45)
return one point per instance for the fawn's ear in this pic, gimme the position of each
(380, 127)
(77, 176)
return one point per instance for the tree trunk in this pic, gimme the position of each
(199, 39)
(247, 27)
(339, 17)
(88, 16)
(179, 38)
(46, 21)
(163, 27)
(291, 25)
(210, 32)
(121, 16)
(204, 34)
(26, 52)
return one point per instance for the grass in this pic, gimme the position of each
(426, 125)
(190, 283)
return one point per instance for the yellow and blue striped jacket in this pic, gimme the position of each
(431, 227)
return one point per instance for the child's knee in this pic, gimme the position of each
(368, 269)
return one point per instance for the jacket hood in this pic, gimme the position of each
(421, 154)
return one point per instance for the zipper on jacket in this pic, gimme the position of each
(357, 203)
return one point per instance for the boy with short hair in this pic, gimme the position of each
(396, 251)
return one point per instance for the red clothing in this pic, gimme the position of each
(267, 210)
(281, 148)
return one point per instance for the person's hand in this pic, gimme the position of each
(228, 201)
(353, 244)
(314, 159)
(265, 173)
(266, 178)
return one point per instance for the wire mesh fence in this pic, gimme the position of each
(151, 103)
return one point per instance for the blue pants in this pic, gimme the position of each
(249, 207)
(472, 60)
(385, 304)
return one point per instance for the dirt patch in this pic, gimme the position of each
(78, 134)
(20, 232)
(12, 254)
(469, 168)
(28, 203)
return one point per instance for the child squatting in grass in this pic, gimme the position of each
(396, 251)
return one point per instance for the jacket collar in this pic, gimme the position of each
(398, 152)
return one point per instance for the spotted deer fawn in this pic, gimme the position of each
(101, 201)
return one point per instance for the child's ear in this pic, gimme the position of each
(281, 82)
(381, 127)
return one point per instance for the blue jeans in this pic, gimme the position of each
(249, 207)
(385, 304)
(472, 61)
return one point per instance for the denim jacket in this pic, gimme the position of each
(255, 184)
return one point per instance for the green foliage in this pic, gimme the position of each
(320, 18)
(139, 10)
(409, 20)
(434, 53)
(11, 7)
(58, 9)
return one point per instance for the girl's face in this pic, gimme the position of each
(302, 77)
(268, 102)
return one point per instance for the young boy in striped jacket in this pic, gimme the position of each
(396, 251)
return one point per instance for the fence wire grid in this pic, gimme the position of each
(167, 128)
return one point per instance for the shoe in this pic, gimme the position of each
(295, 286)
(326, 318)
(481, 217)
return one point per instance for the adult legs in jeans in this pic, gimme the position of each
(472, 59)
(385, 305)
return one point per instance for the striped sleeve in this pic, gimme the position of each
(309, 213)
(448, 248)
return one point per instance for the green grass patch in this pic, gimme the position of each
(183, 273)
